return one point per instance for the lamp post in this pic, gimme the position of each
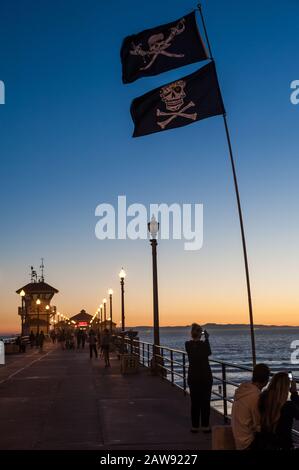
(105, 314)
(122, 275)
(53, 311)
(153, 227)
(22, 294)
(101, 316)
(98, 319)
(110, 292)
(48, 317)
(38, 304)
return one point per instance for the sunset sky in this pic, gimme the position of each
(66, 147)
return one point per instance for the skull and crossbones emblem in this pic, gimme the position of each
(157, 45)
(173, 96)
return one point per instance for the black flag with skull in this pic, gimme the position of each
(162, 48)
(189, 99)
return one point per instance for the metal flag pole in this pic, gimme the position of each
(238, 204)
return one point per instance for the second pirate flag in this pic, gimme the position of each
(191, 98)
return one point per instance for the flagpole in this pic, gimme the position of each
(239, 207)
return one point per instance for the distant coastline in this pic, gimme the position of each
(227, 326)
(210, 326)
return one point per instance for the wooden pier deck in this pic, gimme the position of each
(63, 400)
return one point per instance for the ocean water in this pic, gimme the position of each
(273, 345)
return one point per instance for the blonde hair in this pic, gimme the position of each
(196, 330)
(272, 400)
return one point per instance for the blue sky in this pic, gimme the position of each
(66, 146)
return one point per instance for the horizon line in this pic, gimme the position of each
(258, 325)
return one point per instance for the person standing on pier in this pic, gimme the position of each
(53, 336)
(78, 338)
(105, 344)
(41, 339)
(83, 338)
(32, 339)
(200, 378)
(92, 344)
(61, 338)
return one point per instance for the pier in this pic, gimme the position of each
(60, 399)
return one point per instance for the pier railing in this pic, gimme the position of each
(13, 339)
(173, 366)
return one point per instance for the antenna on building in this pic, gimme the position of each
(42, 266)
(33, 275)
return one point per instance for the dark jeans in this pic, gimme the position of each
(93, 348)
(200, 403)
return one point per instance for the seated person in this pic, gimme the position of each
(245, 414)
(277, 414)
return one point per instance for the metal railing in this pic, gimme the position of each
(13, 339)
(15, 344)
(173, 364)
(7, 340)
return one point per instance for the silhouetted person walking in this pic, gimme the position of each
(20, 343)
(78, 338)
(62, 338)
(105, 344)
(83, 339)
(31, 339)
(200, 378)
(41, 339)
(92, 344)
(53, 336)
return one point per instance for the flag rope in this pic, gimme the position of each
(232, 160)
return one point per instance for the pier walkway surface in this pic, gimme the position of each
(63, 400)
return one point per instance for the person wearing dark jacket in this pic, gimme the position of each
(105, 344)
(200, 378)
(92, 344)
(83, 338)
(277, 414)
(41, 339)
(32, 339)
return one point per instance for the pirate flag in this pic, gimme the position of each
(194, 97)
(163, 48)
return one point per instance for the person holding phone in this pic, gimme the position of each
(277, 414)
(200, 378)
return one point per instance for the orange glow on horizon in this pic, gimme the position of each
(174, 315)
